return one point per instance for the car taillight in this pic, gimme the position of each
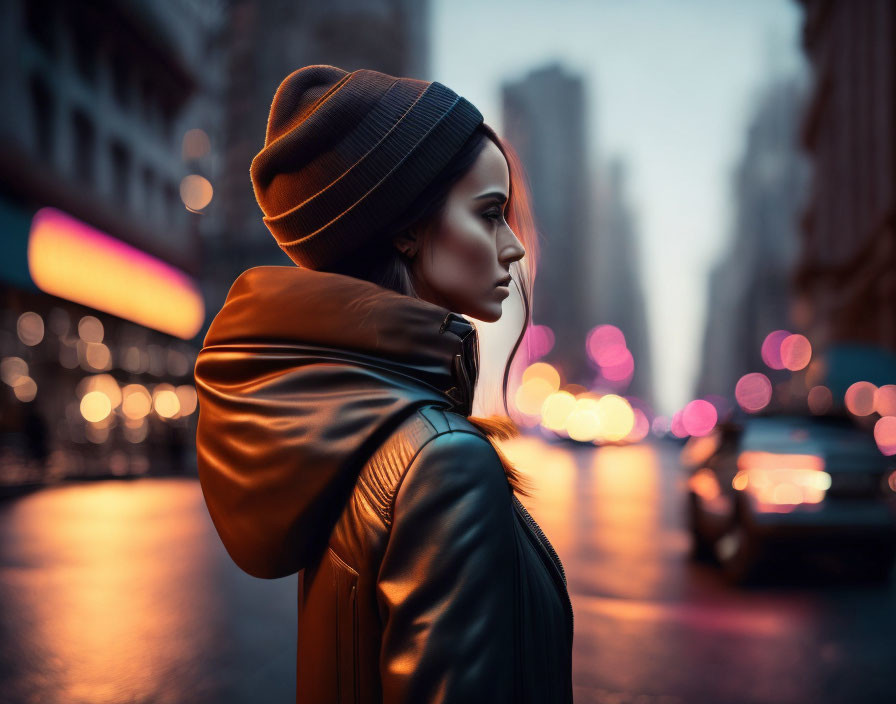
(779, 482)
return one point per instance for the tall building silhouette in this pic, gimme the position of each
(749, 287)
(617, 284)
(544, 119)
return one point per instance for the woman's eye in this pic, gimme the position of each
(493, 215)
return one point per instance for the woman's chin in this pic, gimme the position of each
(488, 313)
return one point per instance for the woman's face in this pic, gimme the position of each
(468, 250)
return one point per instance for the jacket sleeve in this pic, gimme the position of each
(446, 582)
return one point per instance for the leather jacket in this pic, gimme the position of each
(332, 439)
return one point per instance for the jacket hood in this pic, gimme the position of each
(302, 375)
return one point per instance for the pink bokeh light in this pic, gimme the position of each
(640, 428)
(539, 340)
(771, 348)
(677, 426)
(885, 435)
(699, 417)
(600, 339)
(753, 391)
(622, 369)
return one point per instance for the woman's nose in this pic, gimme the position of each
(513, 250)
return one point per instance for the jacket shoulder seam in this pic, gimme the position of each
(420, 449)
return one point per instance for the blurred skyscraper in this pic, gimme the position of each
(616, 279)
(269, 39)
(750, 286)
(110, 113)
(846, 274)
(544, 119)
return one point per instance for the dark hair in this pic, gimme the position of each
(380, 262)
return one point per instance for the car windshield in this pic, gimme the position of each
(829, 436)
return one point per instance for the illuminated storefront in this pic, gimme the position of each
(96, 353)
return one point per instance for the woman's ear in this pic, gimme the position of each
(406, 243)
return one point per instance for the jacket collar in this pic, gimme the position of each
(360, 321)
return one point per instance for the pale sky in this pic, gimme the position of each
(669, 86)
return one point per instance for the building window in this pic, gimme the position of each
(42, 111)
(84, 147)
(121, 171)
(40, 21)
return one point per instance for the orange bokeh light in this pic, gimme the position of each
(859, 398)
(796, 352)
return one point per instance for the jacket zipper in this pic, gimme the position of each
(553, 558)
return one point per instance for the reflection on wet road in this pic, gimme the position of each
(653, 627)
(120, 591)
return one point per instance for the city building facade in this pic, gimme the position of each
(105, 144)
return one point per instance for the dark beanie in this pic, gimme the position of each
(346, 153)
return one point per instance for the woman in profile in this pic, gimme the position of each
(335, 431)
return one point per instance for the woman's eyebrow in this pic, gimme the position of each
(497, 195)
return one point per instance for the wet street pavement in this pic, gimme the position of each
(120, 591)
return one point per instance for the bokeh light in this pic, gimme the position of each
(11, 368)
(699, 417)
(136, 401)
(820, 400)
(90, 329)
(771, 348)
(556, 409)
(95, 406)
(165, 402)
(859, 398)
(753, 391)
(583, 422)
(30, 328)
(538, 341)
(676, 427)
(195, 144)
(885, 400)
(25, 389)
(885, 435)
(98, 355)
(539, 381)
(196, 191)
(186, 395)
(640, 428)
(101, 382)
(542, 370)
(616, 417)
(603, 343)
(796, 352)
(620, 366)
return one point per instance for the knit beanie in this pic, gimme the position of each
(346, 153)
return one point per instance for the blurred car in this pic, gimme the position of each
(809, 484)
